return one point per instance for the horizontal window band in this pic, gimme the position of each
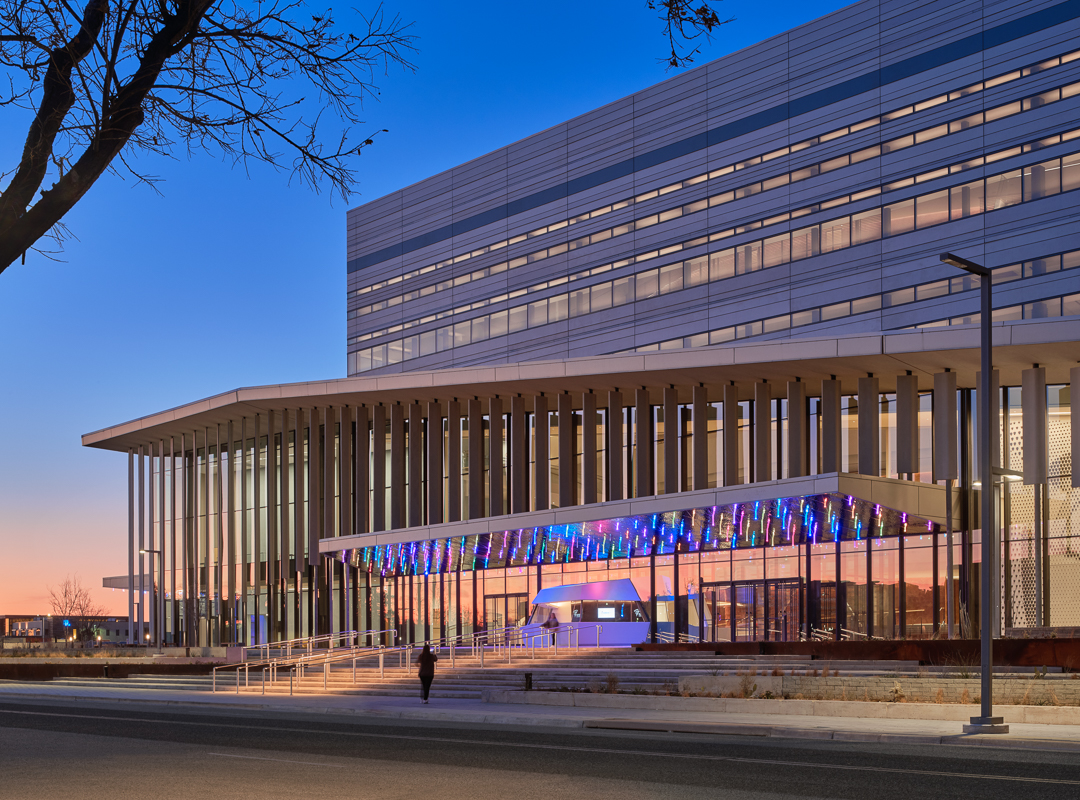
(966, 123)
(745, 227)
(974, 198)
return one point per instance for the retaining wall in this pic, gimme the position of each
(1009, 691)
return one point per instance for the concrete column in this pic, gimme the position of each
(869, 427)
(453, 461)
(567, 460)
(416, 464)
(249, 561)
(1036, 447)
(378, 468)
(541, 445)
(346, 439)
(397, 467)
(131, 547)
(434, 435)
(257, 553)
(643, 441)
(700, 438)
(907, 425)
(797, 462)
(361, 473)
(206, 542)
(615, 455)
(291, 562)
(763, 432)
(163, 546)
(329, 487)
(830, 426)
(315, 484)
(229, 607)
(1033, 383)
(671, 440)
(141, 579)
(519, 458)
(1074, 408)
(588, 448)
(151, 544)
(267, 576)
(945, 466)
(495, 457)
(476, 459)
(285, 528)
(731, 436)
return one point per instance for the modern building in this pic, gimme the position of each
(700, 339)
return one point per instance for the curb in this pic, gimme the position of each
(782, 732)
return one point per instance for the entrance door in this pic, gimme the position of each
(749, 611)
(717, 600)
(783, 610)
(505, 611)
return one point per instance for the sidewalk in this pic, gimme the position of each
(789, 726)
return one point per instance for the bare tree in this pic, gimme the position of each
(99, 84)
(254, 80)
(74, 602)
(684, 22)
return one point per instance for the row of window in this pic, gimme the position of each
(937, 131)
(976, 197)
(970, 163)
(1050, 307)
(1067, 306)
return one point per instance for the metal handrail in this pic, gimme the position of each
(573, 634)
(506, 637)
(668, 637)
(308, 643)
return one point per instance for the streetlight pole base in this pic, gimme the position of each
(987, 725)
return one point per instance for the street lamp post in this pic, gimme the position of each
(985, 722)
(155, 619)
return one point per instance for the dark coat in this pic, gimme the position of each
(426, 664)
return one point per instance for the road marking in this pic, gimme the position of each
(278, 760)
(559, 747)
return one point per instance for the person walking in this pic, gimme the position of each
(552, 624)
(425, 663)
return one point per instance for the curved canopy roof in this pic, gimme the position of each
(597, 590)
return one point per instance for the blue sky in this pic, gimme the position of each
(236, 278)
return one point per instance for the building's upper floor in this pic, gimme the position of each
(802, 186)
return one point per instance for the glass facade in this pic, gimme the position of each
(724, 573)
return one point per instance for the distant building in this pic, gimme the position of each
(32, 628)
(699, 338)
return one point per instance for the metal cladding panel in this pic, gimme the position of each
(593, 175)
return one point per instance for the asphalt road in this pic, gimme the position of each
(53, 751)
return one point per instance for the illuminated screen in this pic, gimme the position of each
(605, 613)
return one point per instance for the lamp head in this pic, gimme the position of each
(964, 264)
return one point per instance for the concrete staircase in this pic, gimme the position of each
(467, 679)
(574, 669)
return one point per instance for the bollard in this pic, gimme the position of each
(481, 656)
(213, 685)
(325, 670)
(238, 681)
(291, 673)
(354, 670)
(264, 681)
(382, 657)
